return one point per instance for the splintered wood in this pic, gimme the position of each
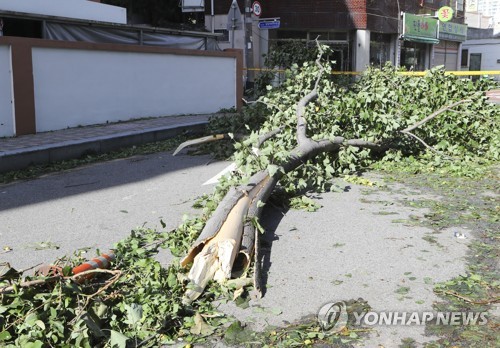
(220, 248)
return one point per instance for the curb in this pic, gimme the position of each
(20, 159)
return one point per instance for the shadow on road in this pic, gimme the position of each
(271, 218)
(102, 176)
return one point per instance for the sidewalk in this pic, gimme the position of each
(20, 152)
(494, 96)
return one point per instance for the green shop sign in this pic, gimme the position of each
(452, 31)
(420, 29)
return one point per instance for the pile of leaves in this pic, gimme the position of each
(139, 303)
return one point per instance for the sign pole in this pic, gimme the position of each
(233, 20)
(248, 38)
(233, 24)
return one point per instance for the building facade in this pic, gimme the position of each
(361, 32)
(489, 8)
(483, 14)
(481, 51)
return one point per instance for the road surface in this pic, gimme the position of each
(349, 249)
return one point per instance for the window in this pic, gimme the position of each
(225, 35)
(328, 36)
(460, 5)
(380, 49)
(292, 34)
(465, 58)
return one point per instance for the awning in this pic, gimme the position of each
(426, 40)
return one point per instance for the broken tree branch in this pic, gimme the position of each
(424, 143)
(201, 140)
(30, 283)
(434, 114)
(47, 280)
(264, 137)
(219, 217)
(467, 299)
(301, 105)
(250, 240)
(214, 253)
(216, 137)
(408, 130)
(262, 102)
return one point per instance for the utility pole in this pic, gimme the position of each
(397, 59)
(248, 39)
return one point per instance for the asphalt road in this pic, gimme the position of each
(349, 249)
(98, 205)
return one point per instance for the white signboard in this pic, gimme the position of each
(193, 5)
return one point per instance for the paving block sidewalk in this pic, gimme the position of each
(494, 96)
(22, 151)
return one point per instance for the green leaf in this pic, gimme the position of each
(40, 324)
(272, 169)
(235, 333)
(134, 314)
(67, 271)
(5, 336)
(118, 340)
(402, 290)
(257, 225)
(172, 279)
(31, 319)
(201, 327)
(475, 277)
(92, 325)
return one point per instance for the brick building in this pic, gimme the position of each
(361, 32)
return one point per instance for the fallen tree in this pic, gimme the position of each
(299, 136)
(231, 229)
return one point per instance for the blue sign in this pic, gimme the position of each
(275, 24)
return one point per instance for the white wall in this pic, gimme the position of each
(490, 53)
(77, 9)
(81, 87)
(478, 20)
(6, 94)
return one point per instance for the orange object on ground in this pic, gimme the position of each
(102, 261)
